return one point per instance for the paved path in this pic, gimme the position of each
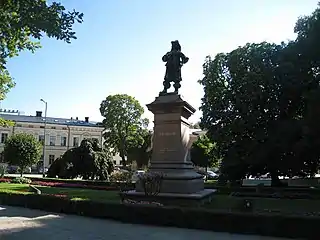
(20, 223)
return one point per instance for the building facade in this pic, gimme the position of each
(60, 134)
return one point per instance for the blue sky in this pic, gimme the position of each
(120, 45)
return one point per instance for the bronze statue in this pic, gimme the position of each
(174, 61)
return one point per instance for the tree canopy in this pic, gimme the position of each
(23, 23)
(22, 150)
(123, 123)
(260, 104)
(140, 150)
(203, 153)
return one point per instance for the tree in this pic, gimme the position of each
(122, 121)
(22, 22)
(259, 105)
(196, 125)
(140, 150)
(88, 161)
(22, 150)
(203, 153)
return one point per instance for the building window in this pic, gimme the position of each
(41, 139)
(52, 140)
(30, 126)
(51, 159)
(76, 141)
(1, 157)
(63, 141)
(18, 125)
(4, 137)
(41, 126)
(115, 162)
(53, 127)
(64, 128)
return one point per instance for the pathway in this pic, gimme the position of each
(20, 223)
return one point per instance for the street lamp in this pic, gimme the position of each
(44, 136)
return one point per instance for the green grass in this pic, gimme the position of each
(219, 202)
(72, 193)
(283, 206)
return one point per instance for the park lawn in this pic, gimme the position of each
(72, 193)
(283, 206)
(219, 202)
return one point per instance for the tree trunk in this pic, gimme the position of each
(123, 159)
(21, 172)
(206, 173)
(275, 181)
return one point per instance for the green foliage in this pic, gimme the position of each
(261, 105)
(195, 126)
(22, 22)
(121, 176)
(21, 180)
(88, 161)
(22, 150)
(140, 150)
(3, 170)
(123, 123)
(203, 153)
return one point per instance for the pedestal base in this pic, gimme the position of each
(175, 199)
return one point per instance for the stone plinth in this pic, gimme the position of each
(170, 151)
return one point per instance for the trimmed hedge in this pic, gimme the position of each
(243, 223)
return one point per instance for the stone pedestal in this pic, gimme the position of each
(170, 152)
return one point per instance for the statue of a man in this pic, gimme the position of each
(174, 61)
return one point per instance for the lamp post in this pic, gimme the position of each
(44, 136)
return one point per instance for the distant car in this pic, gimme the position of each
(136, 174)
(212, 175)
(12, 169)
(41, 170)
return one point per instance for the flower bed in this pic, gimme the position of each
(73, 185)
(5, 180)
(64, 185)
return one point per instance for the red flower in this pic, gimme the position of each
(5, 180)
(70, 185)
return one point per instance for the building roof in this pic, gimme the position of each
(50, 120)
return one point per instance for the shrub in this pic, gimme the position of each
(21, 180)
(121, 176)
(151, 183)
(244, 223)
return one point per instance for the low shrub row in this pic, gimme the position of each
(270, 190)
(281, 195)
(244, 223)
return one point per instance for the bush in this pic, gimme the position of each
(121, 176)
(244, 223)
(21, 180)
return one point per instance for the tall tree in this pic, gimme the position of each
(122, 121)
(23, 23)
(22, 150)
(140, 150)
(258, 102)
(203, 153)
